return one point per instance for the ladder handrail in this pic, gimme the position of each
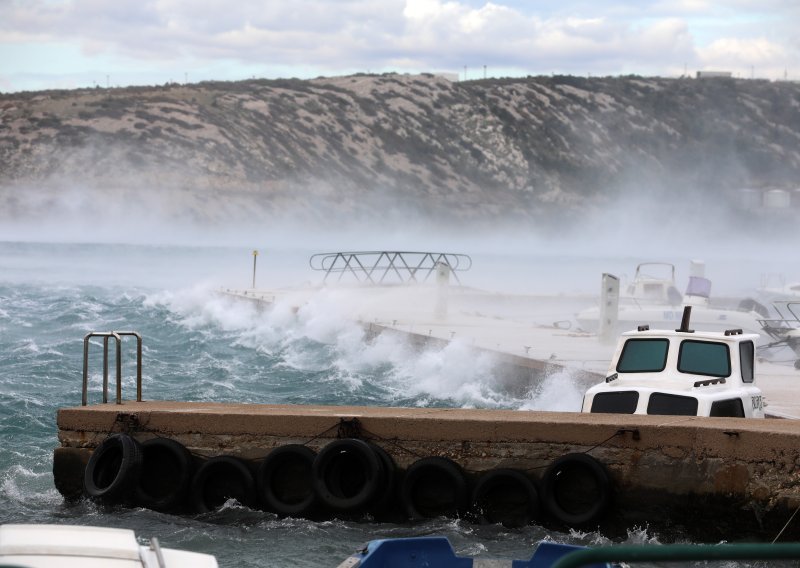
(106, 335)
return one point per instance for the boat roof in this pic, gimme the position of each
(728, 336)
(76, 545)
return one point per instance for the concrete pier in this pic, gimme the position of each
(715, 478)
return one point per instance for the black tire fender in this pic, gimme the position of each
(384, 499)
(219, 479)
(348, 475)
(284, 481)
(434, 487)
(506, 496)
(576, 489)
(113, 469)
(167, 469)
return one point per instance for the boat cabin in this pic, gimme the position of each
(680, 372)
(655, 282)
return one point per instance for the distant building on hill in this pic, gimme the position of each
(713, 74)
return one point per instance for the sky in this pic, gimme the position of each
(49, 44)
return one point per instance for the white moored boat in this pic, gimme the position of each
(680, 372)
(653, 298)
(75, 546)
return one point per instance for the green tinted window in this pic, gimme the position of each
(704, 358)
(747, 356)
(643, 356)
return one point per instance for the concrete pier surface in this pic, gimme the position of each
(725, 478)
(522, 332)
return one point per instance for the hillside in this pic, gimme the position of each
(367, 145)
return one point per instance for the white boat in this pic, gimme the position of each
(680, 372)
(652, 298)
(785, 328)
(75, 546)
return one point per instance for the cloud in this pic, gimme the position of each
(745, 54)
(318, 37)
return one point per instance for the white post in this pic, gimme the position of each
(442, 283)
(609, 308)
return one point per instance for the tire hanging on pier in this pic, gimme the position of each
(576, 489)
(506, 496)
(434, 487)
(219, 479)
(348, 475)
(167, 469)
(113, 469)
(385, 498)
(284, 481)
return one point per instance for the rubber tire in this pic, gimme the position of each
(348, 475)
(506, 496)
(434, 487)
(113, 470)
(384, 500)
(287, 468)
(576, 489)
(167, 469)
(219, 479)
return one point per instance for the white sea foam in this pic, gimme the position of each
(27, 345)
(25, 486)
(321, 335)
(558, 392)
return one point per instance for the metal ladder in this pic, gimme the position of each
(117, 336)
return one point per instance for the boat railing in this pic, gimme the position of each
(381, 267)
(680, 553)
(788, 319)
(117, 337)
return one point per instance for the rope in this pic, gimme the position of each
(307, 442)
(393, 442)
(787, 524)
(633, 431)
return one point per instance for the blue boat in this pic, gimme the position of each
(436, 552)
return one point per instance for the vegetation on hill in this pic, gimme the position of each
(367, 144)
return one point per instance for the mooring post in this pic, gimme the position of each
(609, 308)
(255, 255)
(442, 283)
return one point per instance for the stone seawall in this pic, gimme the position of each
(715, 478)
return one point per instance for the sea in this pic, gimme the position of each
(199, 346)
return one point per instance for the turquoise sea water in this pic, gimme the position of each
(198, 346)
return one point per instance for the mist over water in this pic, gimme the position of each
(161, 280)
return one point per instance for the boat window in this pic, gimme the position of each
(704, 358)
(615, 402)
(671, 404)
(746, 355)
(643, 356)
(731, 407)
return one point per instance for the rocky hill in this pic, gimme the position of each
(366, 145)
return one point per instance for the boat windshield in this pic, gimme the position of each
(704, 358)
(643, 356)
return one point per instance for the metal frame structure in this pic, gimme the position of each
(117, 336)
(378, 267)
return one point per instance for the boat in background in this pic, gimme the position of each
(78, 546)
(680, 372)
(785, 328)
(652, 298)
